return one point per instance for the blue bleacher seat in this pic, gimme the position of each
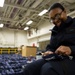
(13, 64)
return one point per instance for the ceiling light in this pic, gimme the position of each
(26, 28)
(43, 12)
(1, 25)
(29, 22)
(1, 3)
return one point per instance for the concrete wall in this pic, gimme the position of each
(12, 38)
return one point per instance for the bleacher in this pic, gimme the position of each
(13, 64)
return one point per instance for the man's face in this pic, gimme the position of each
(57, 16)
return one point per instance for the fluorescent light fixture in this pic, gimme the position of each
(43, 12)
(1, 25)
(29, 22)
(26, 28)
(1, 3)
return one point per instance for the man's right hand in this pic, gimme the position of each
(47, 53)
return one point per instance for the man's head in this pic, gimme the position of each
(57, 14)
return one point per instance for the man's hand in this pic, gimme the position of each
(47, 53)
(63, 50)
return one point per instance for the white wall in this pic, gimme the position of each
(10, 37)
(33, 41)
(20, 38)
(42, 34)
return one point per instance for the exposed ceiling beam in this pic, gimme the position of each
(32, 17)
(5, 11)
(71, 6)
(12, 9)
(28, 19)
(20, 7)
(8, 19)
(4, 22)
(70, 14)
(36, 3)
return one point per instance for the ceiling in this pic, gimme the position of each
(16, 13)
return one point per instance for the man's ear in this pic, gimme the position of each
(63, 13)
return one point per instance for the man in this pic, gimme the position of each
(62, 43)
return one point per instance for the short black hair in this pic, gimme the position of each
(56, 5)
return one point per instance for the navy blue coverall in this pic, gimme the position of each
(63, 35)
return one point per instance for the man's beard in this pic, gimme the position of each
(62, 22)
